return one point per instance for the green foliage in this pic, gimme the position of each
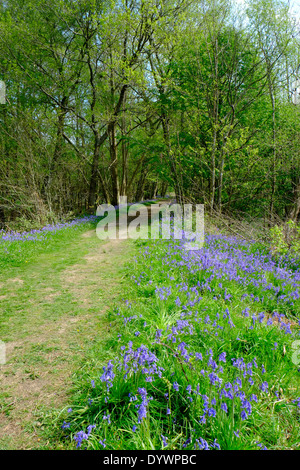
(135, 97)
(285, 239)
(149, 319)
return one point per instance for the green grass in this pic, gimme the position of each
(54, 299)
(274, 419)
(65, 313)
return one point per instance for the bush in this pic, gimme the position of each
(285, 239)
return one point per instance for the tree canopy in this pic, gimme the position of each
(141, 97)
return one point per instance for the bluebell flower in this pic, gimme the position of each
(264, 386)
(103, 443)
(212, 412)
(176, 386)
(261, 446)
(222, 357)
(202, 444)
(224, 407)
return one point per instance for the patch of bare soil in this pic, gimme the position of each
(30, 382)
(83, 279)
(38, 370)
(17, 280)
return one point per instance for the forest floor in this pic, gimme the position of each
(69, 301)
(54, 319)
(54, 309)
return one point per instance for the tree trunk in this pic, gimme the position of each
(294, 212)
(57, 153)
(95, 173)
(114, 164)
(171, 160)
(124, 152)
(220, 185)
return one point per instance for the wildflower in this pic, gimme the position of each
(253, 398)
(212, 363)
(264, 386)
(142, 412)
(107, 418)
(222, 357)
(214, 379)
(176, 386)
(297, 400)
(238, 382)
(202, 444)
(81, 435)
(187, 442)
(261, 445)
(216, 445)
(247, 406)
(158, 334)
(103, 443)
(198, 356)
(164, 439)
(212, 412)
(108, 374)
(90, 427)
(224, 407)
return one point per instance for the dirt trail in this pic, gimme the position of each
(39, 364)
(38, 369)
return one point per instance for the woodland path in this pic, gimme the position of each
(54, 312)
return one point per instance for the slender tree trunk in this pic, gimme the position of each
(141, 185)
(274, 156)
(171, 160)
(213, 172)
(57, 153)
(220, 184)
(124, 147)
(294, 211)
(95, 173)
(114, 164)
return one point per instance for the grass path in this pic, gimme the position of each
(52, 311)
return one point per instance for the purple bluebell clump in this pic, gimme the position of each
(197, 366)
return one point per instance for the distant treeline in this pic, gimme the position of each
(140, 97)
